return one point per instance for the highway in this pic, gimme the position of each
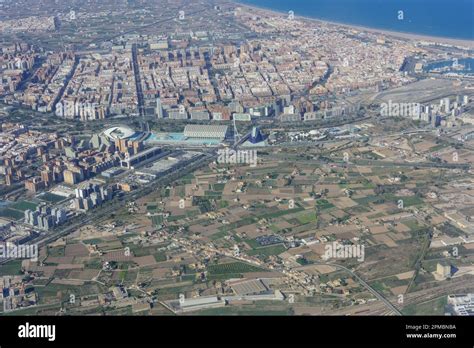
(138, 83)
(103, 212)
(112, 206)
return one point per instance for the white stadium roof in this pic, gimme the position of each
(205, 131)
(119, 132)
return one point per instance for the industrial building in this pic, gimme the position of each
(461, 304)
(195, 304)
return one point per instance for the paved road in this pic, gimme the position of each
(365, 285)
(115, 204)
(138, 83)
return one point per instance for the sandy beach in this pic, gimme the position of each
(396, 34)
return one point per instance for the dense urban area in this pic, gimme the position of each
(209, 158)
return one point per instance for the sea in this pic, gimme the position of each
(441, 18)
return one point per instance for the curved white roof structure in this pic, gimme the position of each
(205, 131)
(119, 132)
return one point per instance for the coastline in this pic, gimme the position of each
(396, 34)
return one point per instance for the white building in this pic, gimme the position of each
(462, 304)
(206, 131)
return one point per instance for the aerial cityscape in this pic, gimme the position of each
(210, 157)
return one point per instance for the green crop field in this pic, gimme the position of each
(11, 268)
(11, 214)
(233, 267)
(267, 251)
(307, 218)
(324, 204)
(51, 197)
